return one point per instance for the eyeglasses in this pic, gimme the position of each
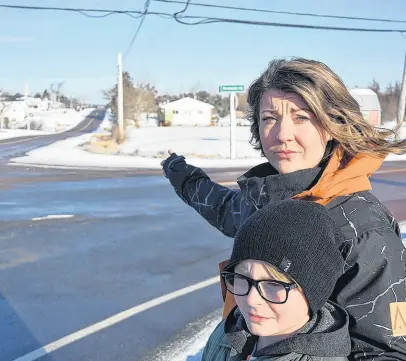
(270, 290)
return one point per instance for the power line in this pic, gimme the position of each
(146, 6)
(95, 16)
(209, 20)
(300, 26)
(183, 10)
(278, 12)
(176, 16)
(84, 11)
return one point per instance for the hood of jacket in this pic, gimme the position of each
(325, 335)
(321, 184)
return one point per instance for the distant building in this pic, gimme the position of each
(188, 111)
(12, 113)
(369, 103)
(38, 103)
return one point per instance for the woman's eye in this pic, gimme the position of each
(302, 118)
(269, 119)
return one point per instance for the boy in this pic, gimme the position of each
(282, 271)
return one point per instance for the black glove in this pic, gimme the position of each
(169, 163)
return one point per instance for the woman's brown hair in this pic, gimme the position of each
(326, 95)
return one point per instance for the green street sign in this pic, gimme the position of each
(231, 88)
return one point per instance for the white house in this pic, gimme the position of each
(188, 111)
(38, 103)
(14, 112)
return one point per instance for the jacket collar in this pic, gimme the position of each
(263, 184)
(335, 178)
(326, 334)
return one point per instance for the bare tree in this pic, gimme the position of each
(242, 102)
(389, 100)
(56, 89)
(137, 98)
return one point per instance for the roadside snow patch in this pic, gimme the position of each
(53, 216)
(188, 345)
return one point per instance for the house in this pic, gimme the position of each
(188, 111)
(38, 103)
(369, 103)
(12, 114)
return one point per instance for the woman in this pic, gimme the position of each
(319, 148)
(281, 281)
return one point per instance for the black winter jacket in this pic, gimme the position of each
(373, 251)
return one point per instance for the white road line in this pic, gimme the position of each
(53, 346)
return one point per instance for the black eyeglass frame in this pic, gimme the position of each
(287, 286)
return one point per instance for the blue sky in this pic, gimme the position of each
(45, 47)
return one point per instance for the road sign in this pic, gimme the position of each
(231, 88)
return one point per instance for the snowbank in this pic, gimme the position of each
(199, 142)
(188, 345)
(206, 147)
(58, 120)
(70, 154)
(15, 133)
(107, 124)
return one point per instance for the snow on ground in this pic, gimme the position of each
(201, 142)
(15, 133)
(59, 120)
(46, 122)
(147, 147)
(53, 216)
(107, 123)
(187, 345)
(206, 147)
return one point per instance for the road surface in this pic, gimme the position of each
(18, 146)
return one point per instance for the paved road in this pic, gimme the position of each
(19, 146)
(130, 240)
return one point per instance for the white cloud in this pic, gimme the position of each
(15, 39)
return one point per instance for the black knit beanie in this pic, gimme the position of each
(300, 239)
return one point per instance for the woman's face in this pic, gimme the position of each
(264, 318)
(292, 138)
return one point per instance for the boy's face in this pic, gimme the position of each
(264, 318)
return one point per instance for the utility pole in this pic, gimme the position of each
(402, 99)
(232, 90)
(26, 106)
(120, 102)
(233, 125)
